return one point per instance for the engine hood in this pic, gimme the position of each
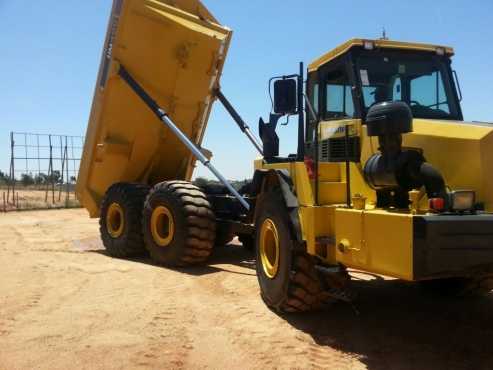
(462, 151)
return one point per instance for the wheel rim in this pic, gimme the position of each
(115, 220)
(269, 248)
(162, 226)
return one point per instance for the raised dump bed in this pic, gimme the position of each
(176, 50)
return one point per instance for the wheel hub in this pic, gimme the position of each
(269, 248)
(115, 220)
(162, 226)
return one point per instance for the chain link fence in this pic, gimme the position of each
(42, 172)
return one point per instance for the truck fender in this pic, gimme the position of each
(263, 180)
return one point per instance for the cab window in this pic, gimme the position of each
(418, 81)
(315, 97)
(428, 91)
(339, 98)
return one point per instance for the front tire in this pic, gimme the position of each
(120, 223)
(178, 224)
(287, 278)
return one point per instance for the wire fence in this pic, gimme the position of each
(43, 171)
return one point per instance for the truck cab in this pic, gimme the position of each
(407, 198)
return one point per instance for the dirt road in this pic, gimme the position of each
(64, 304)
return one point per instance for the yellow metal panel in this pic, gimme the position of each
(329, 172)
(332, 192)
(318, 222)
(449, 129)
(376, 241)
(387, 44)
(177, 54)
(486, 175)
(325, 227)
(307, 222)
(302, 183)
(461, 152)
(192, 7)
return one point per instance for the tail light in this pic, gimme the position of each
(310, 167)
(437, 204)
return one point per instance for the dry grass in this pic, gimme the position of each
(35, 199)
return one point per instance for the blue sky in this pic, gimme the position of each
(51, 49)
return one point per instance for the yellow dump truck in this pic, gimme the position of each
(387, 178)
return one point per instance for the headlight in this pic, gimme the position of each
(369, 45)
(462, 200)
(440, 51)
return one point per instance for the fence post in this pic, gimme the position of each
(62, 158)
(12, 169)
(68, 173)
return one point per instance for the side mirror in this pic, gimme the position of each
(285, 96)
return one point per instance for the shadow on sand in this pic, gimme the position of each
(400, 326)
(395, 325)
(232, 254)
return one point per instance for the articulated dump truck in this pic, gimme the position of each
(386, 178)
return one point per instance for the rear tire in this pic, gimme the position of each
(287, 278)
(120, 223)
(178, 224)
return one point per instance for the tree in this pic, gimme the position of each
(40, 179)
(27, 179)
(55, 177)
(201, 182)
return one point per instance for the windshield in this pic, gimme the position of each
(420, 81)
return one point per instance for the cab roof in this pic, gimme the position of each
(380, 43)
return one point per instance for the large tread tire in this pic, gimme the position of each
(130, 197)
(296, 286)
(194, 224)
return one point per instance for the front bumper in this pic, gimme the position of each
(452, 245)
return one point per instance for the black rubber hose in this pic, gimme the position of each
(433, 181)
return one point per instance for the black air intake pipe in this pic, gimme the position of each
(394, 172)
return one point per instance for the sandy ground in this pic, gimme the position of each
(64, 304)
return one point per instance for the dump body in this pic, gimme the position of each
(176, 50)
